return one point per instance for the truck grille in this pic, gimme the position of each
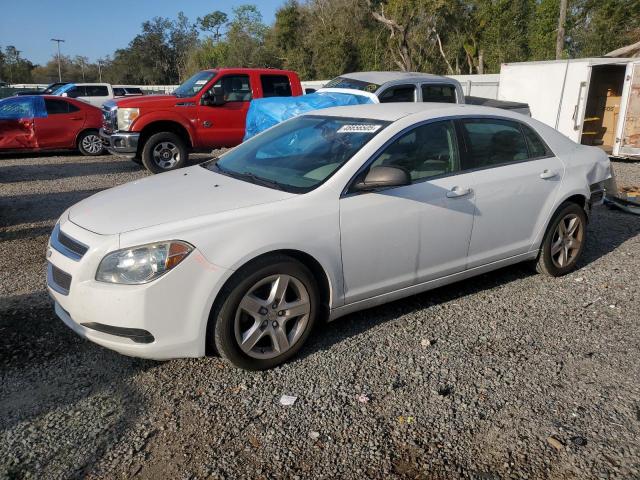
(58, 280)
(109, 119)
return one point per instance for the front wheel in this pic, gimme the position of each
(266, 313)
(90, 144)
(163, 152)
(564, 241)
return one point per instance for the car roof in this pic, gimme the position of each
(248, 69)
(391, 112)
(418, 112)
(380, 78)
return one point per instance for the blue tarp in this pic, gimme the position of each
(63, 89)
(264, 113)
(18, 108)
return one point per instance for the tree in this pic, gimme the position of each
(562, 18)
(213, 22)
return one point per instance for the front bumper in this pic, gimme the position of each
(121, 143)
(163, 319)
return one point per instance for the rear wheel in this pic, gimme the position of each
(163, 152)
(90, 143)
(564, 241)
(266, 313)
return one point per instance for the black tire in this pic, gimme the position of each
(177, 155)
(221, 331)
(90, 143)
(546, 262)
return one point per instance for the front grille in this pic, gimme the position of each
(66, 245)
(110, 119)
(71, 244)
(58, 279)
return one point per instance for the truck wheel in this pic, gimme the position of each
(90, 144)
(163, 152)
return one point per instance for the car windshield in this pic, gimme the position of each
(344, 82)
(194, 84)
(300, 154)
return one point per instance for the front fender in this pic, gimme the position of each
(185, 121)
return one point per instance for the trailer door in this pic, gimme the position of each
(628, 132)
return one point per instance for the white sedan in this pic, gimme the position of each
(317, 217)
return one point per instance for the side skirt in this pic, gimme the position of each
(430, 285)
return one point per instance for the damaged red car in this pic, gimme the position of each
(44, 122)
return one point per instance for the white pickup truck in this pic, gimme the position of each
(96, 93)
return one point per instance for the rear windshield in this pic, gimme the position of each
(300, 154)
(345, 82)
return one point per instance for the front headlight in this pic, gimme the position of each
(142, 264)
(126, 116)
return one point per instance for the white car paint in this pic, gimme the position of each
(372, 247)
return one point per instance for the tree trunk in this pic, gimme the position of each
(561, 22)
(628, 51)
(481, 61)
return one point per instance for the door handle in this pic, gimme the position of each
(457, 192)
(76, 118)
(548, 174)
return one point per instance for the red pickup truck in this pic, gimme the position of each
(207, 111)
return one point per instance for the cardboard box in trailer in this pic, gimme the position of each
(593, 101)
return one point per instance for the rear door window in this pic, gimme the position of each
(439, 93)
(96, 91)
(537, 147)
(275, 86)
(492, 142)
(399, 93)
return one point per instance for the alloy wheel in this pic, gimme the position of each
(166, 155)
(567, 240)
(92, 143)
(272, 316)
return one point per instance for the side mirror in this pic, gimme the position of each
(383, 177)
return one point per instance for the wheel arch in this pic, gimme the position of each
(577, 197)
(158, 126)
(84, 130)
(319, 272)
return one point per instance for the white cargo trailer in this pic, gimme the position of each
(593, 101)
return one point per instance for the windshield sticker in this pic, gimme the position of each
(359, 128)
(201, 82)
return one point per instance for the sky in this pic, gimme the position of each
(95, 29)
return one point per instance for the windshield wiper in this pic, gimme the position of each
(252, 178)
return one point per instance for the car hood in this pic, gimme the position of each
(166, 198)
(153, 101)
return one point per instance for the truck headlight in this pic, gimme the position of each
(142, 264)
(126, 116)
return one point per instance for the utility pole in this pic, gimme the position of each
(58, 40)
(100, 70)
(18, 52)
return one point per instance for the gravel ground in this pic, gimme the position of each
(509, 375)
